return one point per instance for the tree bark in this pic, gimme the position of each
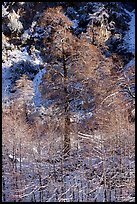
(67, 147)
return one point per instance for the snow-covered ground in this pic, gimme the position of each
(130, 41)
(5, 83)
(36, 83)
(130, 35)
(130, 63)
(15, 56)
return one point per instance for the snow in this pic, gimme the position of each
(75, 23)
(5, 83)
(81, 115)
(130, 63)
(36, 82)
(4, 11)
(15, 56)
(13, 159)
(35, 150)
(129, 39)
(130, 35)
(99, 15)
(10, 156)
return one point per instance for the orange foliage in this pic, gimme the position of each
(54, 16)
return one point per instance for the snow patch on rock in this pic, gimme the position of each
(36, 83)
(75, 23)
(130, 35)
(13, 57)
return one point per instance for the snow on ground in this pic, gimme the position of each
(5, 82)
(36, 82)
(130, 63)
(130, 35)
(75, 23)
(130, 39)
(14, 56)
(80, 115)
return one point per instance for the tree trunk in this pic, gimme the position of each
(67, 117)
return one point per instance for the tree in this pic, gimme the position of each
(67, 82)
(60, 40)
(23, 95)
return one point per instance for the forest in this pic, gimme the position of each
(68, 101)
